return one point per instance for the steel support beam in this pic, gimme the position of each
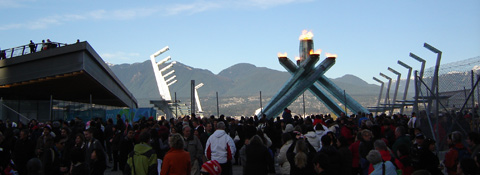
(299, 87)
(407, 84)
(417, 78)
(305, 76)
(387, 96)
(299, 75)
(338, 93)
(434, 86)
(315, 89)
(380, 95)
(396, 88)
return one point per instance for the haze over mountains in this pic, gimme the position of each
(238, 86)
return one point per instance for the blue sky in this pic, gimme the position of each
(367, 36)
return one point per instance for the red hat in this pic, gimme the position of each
(212, 167)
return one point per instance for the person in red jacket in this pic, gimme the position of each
(381, 147)
(347, 130)
(456, 153)
(355, 149)
(177, 160)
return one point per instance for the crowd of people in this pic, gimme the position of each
(317, 144)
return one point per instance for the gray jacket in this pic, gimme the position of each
(195, 148)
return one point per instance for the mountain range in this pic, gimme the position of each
(238, 86)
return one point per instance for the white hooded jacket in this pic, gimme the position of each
(320, 134)
(282, 158)
(314, 140)
(220, 147)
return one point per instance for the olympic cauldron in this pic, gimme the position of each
(305, 75)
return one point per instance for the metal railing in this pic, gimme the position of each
(21, 118)
(28, 49)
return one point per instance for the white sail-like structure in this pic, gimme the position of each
(163, 84)
(197, 100)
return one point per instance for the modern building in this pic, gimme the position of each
(62, 82)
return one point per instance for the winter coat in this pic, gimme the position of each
(220, 147)
(259, 160)
(308, 169)
(268, 141)
(428, 161)
(89, 147)
(402, 140)
(452, 157)
(324, 131)
(314, 140)
(51, 161)
(346, 160)
(142, 161)
(194, 147)
(282, 158)
(386, 156)
(348, 134)
(116, 140)
(355, 149)
(176, 161)
(334, 128)
(389, 169)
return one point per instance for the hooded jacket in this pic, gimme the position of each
(282, 158)
(142, 160)
(324, 131)
(314, 140)
(220, 147)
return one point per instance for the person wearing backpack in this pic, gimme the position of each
(456, 153)
(380, 166)
(143, 159)
(386, 155)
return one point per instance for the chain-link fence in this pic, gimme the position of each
(454, 107)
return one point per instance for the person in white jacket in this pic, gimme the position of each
(220, 147)
(313, 138)
(282, 155)
(320, 130)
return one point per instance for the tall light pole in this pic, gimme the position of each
(192, 97)
(261, 106)
(387, 96)
(218, 109)
(407, 84)
(417, 79)
(303, 97)
(396, 87)
(434, 86)
(380, 95)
